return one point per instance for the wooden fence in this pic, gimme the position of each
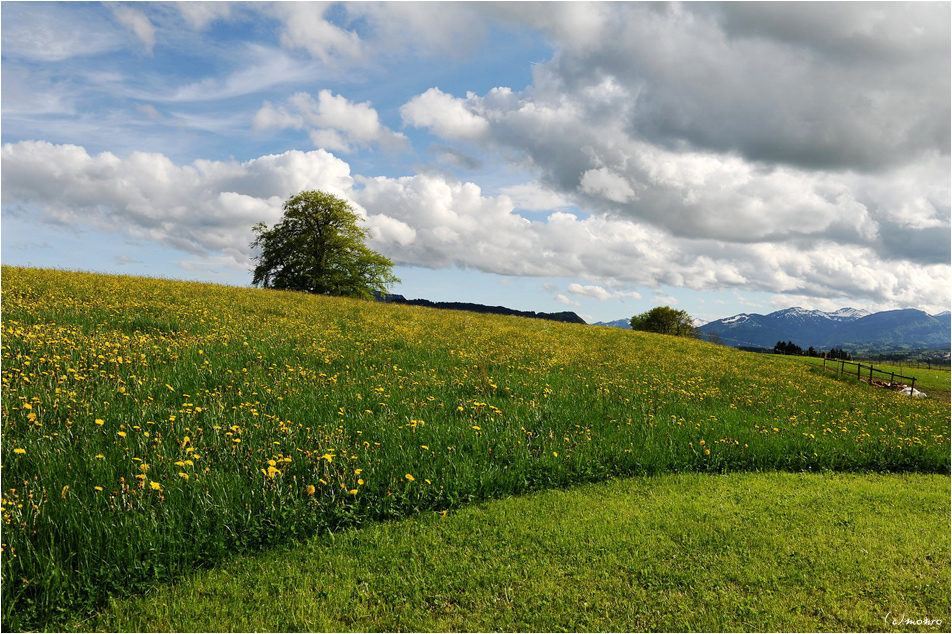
(859, 372)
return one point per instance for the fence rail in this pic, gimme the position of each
(859, 372)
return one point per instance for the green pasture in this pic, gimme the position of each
(153, 428)
(690, 552)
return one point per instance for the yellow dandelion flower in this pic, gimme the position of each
(310, 489)
(353, 491)
(122, 434)
(360, 482)
(19, 450)
(98, 488)
(183, 475)
(707, 452)
(410, 477)
(155, 486)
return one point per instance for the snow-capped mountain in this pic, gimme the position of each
(824, 330)
(848, 314)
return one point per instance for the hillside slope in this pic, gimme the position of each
(189, 422)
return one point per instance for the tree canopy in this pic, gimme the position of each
(318, 247)
(666, 321)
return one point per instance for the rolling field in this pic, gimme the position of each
(152, 428)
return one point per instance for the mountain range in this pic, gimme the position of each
(847, 328)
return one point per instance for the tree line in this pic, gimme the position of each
(790, 348)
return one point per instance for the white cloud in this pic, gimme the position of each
(333, 122)
(205, 208)
(198, 15)
(534, 196)
(271, 116)
(444, 29)
(607, 184)
(208, 207)
(565, 300)
(599, 293)
(583, 138)
(138, 22)
(263, 68)
(48, 33)
(595, 292)
(305, 27)
(447, 116)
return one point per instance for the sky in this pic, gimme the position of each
(719, 158)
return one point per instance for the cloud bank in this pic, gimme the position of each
(428, 220)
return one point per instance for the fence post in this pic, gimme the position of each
(859, 369)
(870, 374)
(892, 378)
(912, 388)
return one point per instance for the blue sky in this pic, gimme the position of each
(600, 158)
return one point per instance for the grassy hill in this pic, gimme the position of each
(152, 427)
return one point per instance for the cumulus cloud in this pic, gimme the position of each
(703, 125)
(842, 86)
(447, 116)
(333, 122)
(599, 293)
(207, 208)
(703, 195)
(534, 196)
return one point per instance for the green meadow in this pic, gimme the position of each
(164, 443)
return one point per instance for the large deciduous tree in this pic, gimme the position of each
(318, 247)
(666, 321)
